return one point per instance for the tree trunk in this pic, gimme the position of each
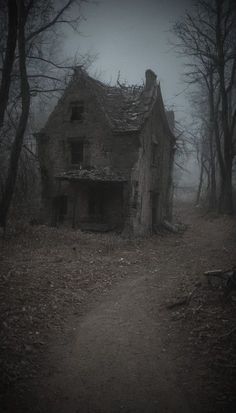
(9, 58)
(212, 200)
(226, 192)
(214, 142)
(226, 195)
(19, 136)
(200, 183)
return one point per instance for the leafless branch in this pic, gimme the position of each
(55, 20)
(58, 66)
(32, 91)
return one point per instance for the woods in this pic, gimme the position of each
(207, 42)
(117, 206)
(30, 68)
(33, 72)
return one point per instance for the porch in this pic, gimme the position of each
(90, 202)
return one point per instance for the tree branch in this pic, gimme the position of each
(52, 22)
(46, 90)
(58, 66)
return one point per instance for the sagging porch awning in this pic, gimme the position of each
(92, 175)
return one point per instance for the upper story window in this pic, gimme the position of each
(77, 111)
(76, 152)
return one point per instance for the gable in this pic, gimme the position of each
(121, 108)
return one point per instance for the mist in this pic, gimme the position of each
(117, 206)
(130, 37)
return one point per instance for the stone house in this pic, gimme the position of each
(106, 157)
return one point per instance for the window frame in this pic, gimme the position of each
(77, 109)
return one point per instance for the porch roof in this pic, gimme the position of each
(93, 175)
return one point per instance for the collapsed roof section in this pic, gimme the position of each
(126, 107)
(91, 174)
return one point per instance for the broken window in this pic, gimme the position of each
(77, 111)
(76, 152)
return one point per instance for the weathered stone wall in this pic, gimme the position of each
(152, 180)
(102, 149)
(123, 151)
(60, 129)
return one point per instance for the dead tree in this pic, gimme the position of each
(25, 105)
(208, 38)
(9, 58)
(30, 23)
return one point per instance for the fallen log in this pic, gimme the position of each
(215, 273)
(178, 303)
(227, 279)
(175, 228)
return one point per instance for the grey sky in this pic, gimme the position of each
(131, 36)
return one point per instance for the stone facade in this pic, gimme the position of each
(106, 156)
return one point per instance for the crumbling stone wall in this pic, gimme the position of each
(151, 180)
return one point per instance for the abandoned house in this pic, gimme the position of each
(106, 157)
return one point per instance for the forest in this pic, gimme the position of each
(103, 320)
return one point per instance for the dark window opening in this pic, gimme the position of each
(77, 111)
(76, 152)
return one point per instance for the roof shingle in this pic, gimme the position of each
(126, 107)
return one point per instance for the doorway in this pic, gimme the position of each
(59, 209)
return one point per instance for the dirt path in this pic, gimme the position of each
(118, 361)
(124, 348)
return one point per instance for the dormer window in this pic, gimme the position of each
(77, 111)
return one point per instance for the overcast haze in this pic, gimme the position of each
(131, 36)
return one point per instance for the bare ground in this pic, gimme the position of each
(94, 323)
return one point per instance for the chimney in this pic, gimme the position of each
(151, 78)
(78, 70)
(171, 119)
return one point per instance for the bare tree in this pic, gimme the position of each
(28, 69)
(207, 38)
(25, 106)
(9, 58)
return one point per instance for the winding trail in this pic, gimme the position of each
(126, 352)
(118, 362)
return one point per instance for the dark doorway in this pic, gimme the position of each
(59, 209)
(96, 205)
(104, 207)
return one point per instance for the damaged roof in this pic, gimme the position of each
(91, 174)
(126, 107)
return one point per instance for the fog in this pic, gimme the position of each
(130, 36)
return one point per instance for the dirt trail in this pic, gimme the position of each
(118, 361)
(120, 358)
(122, 349)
